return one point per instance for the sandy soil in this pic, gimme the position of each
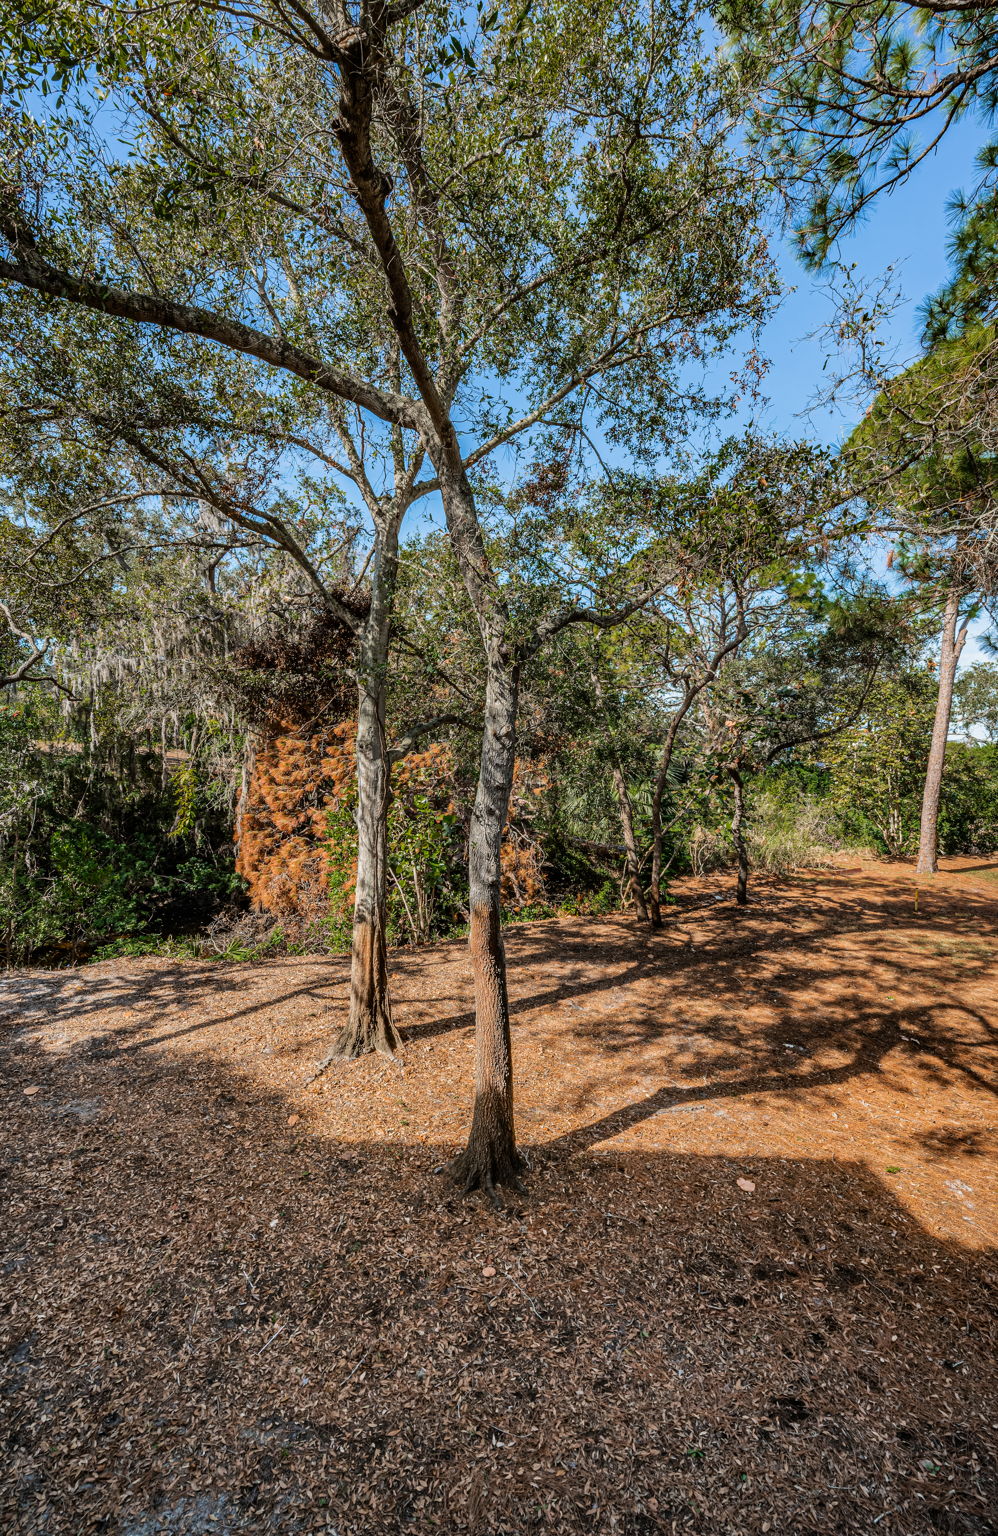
(751, 1288)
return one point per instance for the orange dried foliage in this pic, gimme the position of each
(298, 779)
(428, 773)
(281, 838)
(522, 854)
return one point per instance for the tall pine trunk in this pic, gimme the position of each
(949, 654)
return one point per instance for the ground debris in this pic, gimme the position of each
(231, 1307)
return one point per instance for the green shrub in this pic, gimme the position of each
(789, 828)
(968, 808)
(90, 852)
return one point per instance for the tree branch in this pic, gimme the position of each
(31, 270)
(406, 743)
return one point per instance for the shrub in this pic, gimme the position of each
(90, 854)
(788, 828)
(968, 810)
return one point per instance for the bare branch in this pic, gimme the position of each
(408, 742)
(31, 270)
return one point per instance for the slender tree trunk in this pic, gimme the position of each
(633, 860)
(665, 762)
(632, 856)
(738, 836)
(370, 1026)
(249, 761)
(490, 1157)
(949, 655)
(690, 692)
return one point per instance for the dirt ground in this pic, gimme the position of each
(752, 1286)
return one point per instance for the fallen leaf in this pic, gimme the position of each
(30, 1091)
(747, 1185)
(488, 1272)
(293, 1119)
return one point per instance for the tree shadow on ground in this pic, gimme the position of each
(789, 997)
(214, 1320)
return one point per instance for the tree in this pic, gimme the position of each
(242, 468)
(969, 299)
(975, 699)
(727, 537)
(23, 668)
(876, 767)
(804, 679)
(508, 211)
(925, 459)
(844, 91)
(845, 88)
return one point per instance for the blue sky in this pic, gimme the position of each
(909, 231)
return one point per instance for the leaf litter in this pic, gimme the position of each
(230, 1304)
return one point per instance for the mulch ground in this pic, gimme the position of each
(752, 1286)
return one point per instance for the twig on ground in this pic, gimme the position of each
(273, 1336)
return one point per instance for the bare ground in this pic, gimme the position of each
(752, 1287)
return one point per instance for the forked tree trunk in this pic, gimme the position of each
(690, 692)
(490, 1157)
(949, 654)
(632, 857)
(738, 836)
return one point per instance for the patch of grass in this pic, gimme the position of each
(135, 944)
(954, 949)
(196, 947)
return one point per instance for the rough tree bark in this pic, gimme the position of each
(491, 1158)
(949, 654)
(370, 1026)
(738, 835)
(632, 856)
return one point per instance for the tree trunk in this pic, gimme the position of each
(370, 1026)
(738, 836)
(655, 884)
(690, 692)
(249, 759)
(633, 860)
(490, 1157)
(949, 654)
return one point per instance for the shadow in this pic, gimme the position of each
(212, 1320)
(163, 988)
(795, 993)
(948, 1142)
